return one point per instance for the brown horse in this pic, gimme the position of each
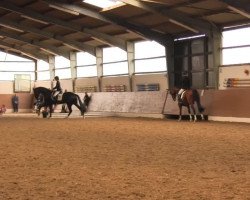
(189, 97)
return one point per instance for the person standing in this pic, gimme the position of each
(86, 99)
(15, 103)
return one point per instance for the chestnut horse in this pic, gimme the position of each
(189, 97)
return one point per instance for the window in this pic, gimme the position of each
(114, 61)
(43, 72)
(102, 3)
(118, 68)
(150, 57)
(61, 62)
(86, 71)
(63, 73)
(62, 67)
(10, 65)
(236, 46)
(42, 65)
(151, 65)
(43, 75)
(86, 65)
(84, 58)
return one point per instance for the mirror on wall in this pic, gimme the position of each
(22, 83)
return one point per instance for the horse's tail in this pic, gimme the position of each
(198, 101)
(83, 107)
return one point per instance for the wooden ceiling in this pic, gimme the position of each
(39, 28)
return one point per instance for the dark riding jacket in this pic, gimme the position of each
(57, 87)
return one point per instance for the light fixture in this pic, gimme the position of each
(33, 19)
(64, 9)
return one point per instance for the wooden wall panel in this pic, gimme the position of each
(25, 100)
(131, 102)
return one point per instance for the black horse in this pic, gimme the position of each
(68, 98)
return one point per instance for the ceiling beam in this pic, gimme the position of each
(141, 30)
(176, 17)
(53, 50)
(29, 53)
(9, 51)
(71, 43)
(111, 40)
(241, 7)
(239, 11)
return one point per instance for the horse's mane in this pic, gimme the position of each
(43, 90)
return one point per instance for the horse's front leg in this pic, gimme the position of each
(180, 112)
(193, 109)
(50, 110)
(190, 116)
(38, 111)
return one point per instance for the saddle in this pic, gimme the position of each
(181, 95)
(57, 96)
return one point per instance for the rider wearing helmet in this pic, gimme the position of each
(184, 86)
(57, 89)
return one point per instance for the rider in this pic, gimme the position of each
(57, 89)
(185, 86)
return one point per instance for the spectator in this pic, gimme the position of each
(2, 109)
(86, 99)
(15, 102)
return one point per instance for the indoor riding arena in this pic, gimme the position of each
(95, 99)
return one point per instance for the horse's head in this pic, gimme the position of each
(173, 92)
(42, 90)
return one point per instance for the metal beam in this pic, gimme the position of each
(141, 30)
(73, 44)
(31, 54)
(9, 51)
(176, 17)
(53, 50)
(113, 41)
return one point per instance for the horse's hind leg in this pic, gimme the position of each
(80, 108)
(202, 117)
(70, 110)
(180, 112)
